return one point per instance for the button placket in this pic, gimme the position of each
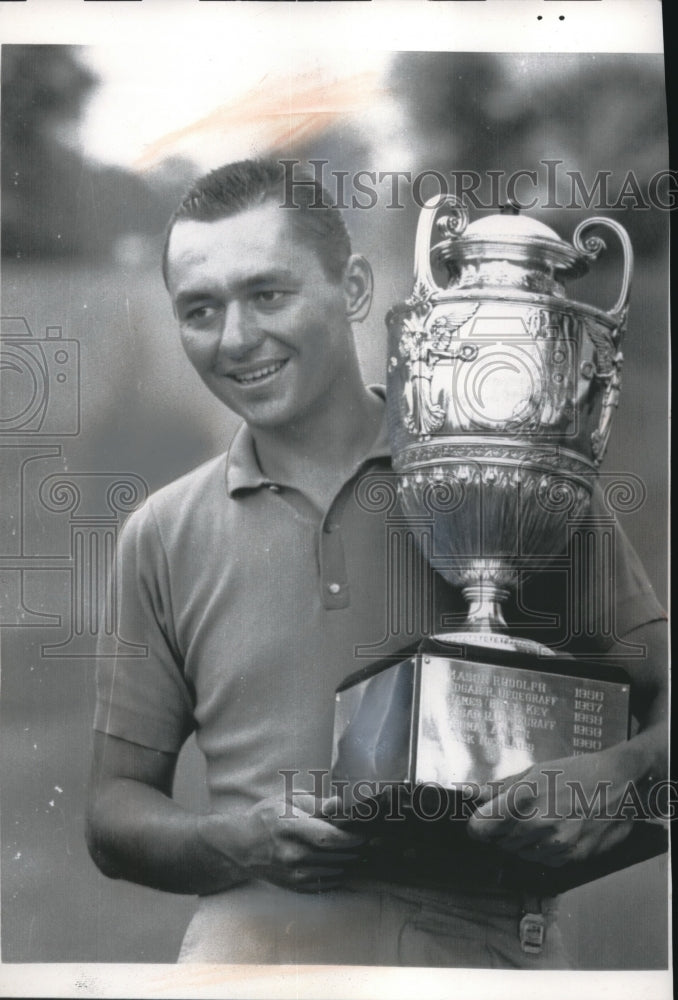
(333, 578)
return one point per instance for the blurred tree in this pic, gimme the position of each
(43, 89)
(46, 87)
(509, 111)
(55, 201)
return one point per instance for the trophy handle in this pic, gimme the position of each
(607, 346)
(451, 225)
(591, 247)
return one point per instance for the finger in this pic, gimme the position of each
(319, 808)
(551, 857)
(319, 833)
(485, 794)
(308, 804)
(333, 808)
(526, 836)
(543, 846)
(614, 834)
(599, 839)
(557, 851)
(499, 827)
(310, 880)
(488, 826)
(316, 878)
(516, 845)
(310, 873)
(307, 821)
(332, 858)
(335, 812)
(492, 789)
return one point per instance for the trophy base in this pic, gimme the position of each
(440, 855)
(427, 732)
(493, 641)
(456, 713)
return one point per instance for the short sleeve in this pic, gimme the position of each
(632, 599)
(142, 694)
(592, 595)
(620, 597)
(636, 603)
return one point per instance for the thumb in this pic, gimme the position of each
(319, 808)
(309, 804)
(492, 789)
(487, 818)
(333, 808)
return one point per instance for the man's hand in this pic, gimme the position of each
(557, 812)
(555, 819)
(136, 831)
(293, 846)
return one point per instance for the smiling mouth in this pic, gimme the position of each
(258, 374)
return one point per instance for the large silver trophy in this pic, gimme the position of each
(501, 393)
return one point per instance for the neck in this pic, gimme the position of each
(320, 450)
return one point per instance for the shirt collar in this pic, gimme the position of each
(242, 468)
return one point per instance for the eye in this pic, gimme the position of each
(200, 315)
(270, 297)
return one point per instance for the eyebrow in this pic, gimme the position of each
(246, 284)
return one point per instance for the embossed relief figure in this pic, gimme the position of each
(253, 580)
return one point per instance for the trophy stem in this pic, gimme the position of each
(484, 611)
(485, 625)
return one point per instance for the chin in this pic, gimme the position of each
(273, 413)
(267, 417)
(267, 422)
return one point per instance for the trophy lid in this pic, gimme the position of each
(509, 236)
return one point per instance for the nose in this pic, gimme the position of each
(240, 332)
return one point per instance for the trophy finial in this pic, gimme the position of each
(510, 208)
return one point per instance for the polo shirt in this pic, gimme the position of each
(249, 602)
(250, 606)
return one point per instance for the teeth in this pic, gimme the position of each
(259, 373)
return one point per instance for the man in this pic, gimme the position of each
(251, 582)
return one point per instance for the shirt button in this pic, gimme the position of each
(274, 488)
(334, 588)
(330, 527)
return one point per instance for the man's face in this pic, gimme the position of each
(264, 327)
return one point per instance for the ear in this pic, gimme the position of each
(358, 287)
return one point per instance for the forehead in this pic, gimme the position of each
(237, 247)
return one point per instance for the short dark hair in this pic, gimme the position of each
(237, 187)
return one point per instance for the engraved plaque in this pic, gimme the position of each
(481, 722)
(453, 721)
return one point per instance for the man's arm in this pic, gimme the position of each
(543, 820)
(134, 828)
(645, 757)
(137, 832)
